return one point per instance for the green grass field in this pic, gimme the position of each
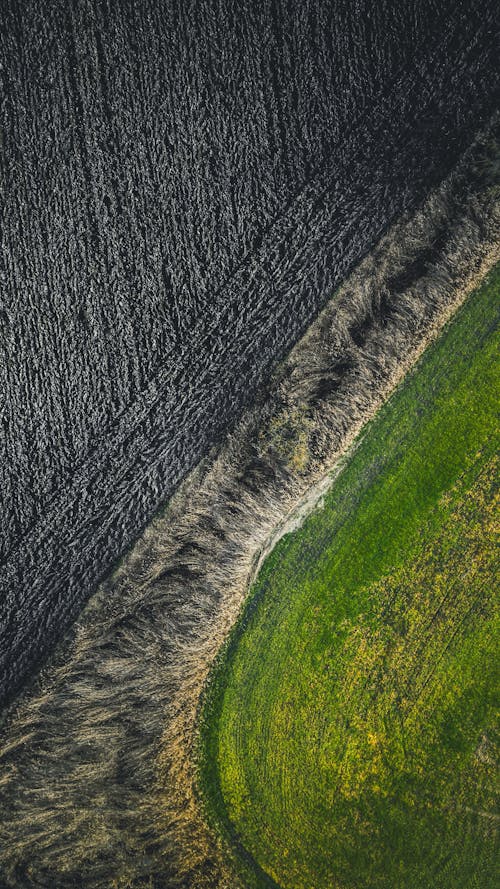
(348, 733)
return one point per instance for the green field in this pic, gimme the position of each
(349, 736)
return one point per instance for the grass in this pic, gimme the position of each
(348, 731)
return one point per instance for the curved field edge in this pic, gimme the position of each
(97, 759)
(461, 342)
